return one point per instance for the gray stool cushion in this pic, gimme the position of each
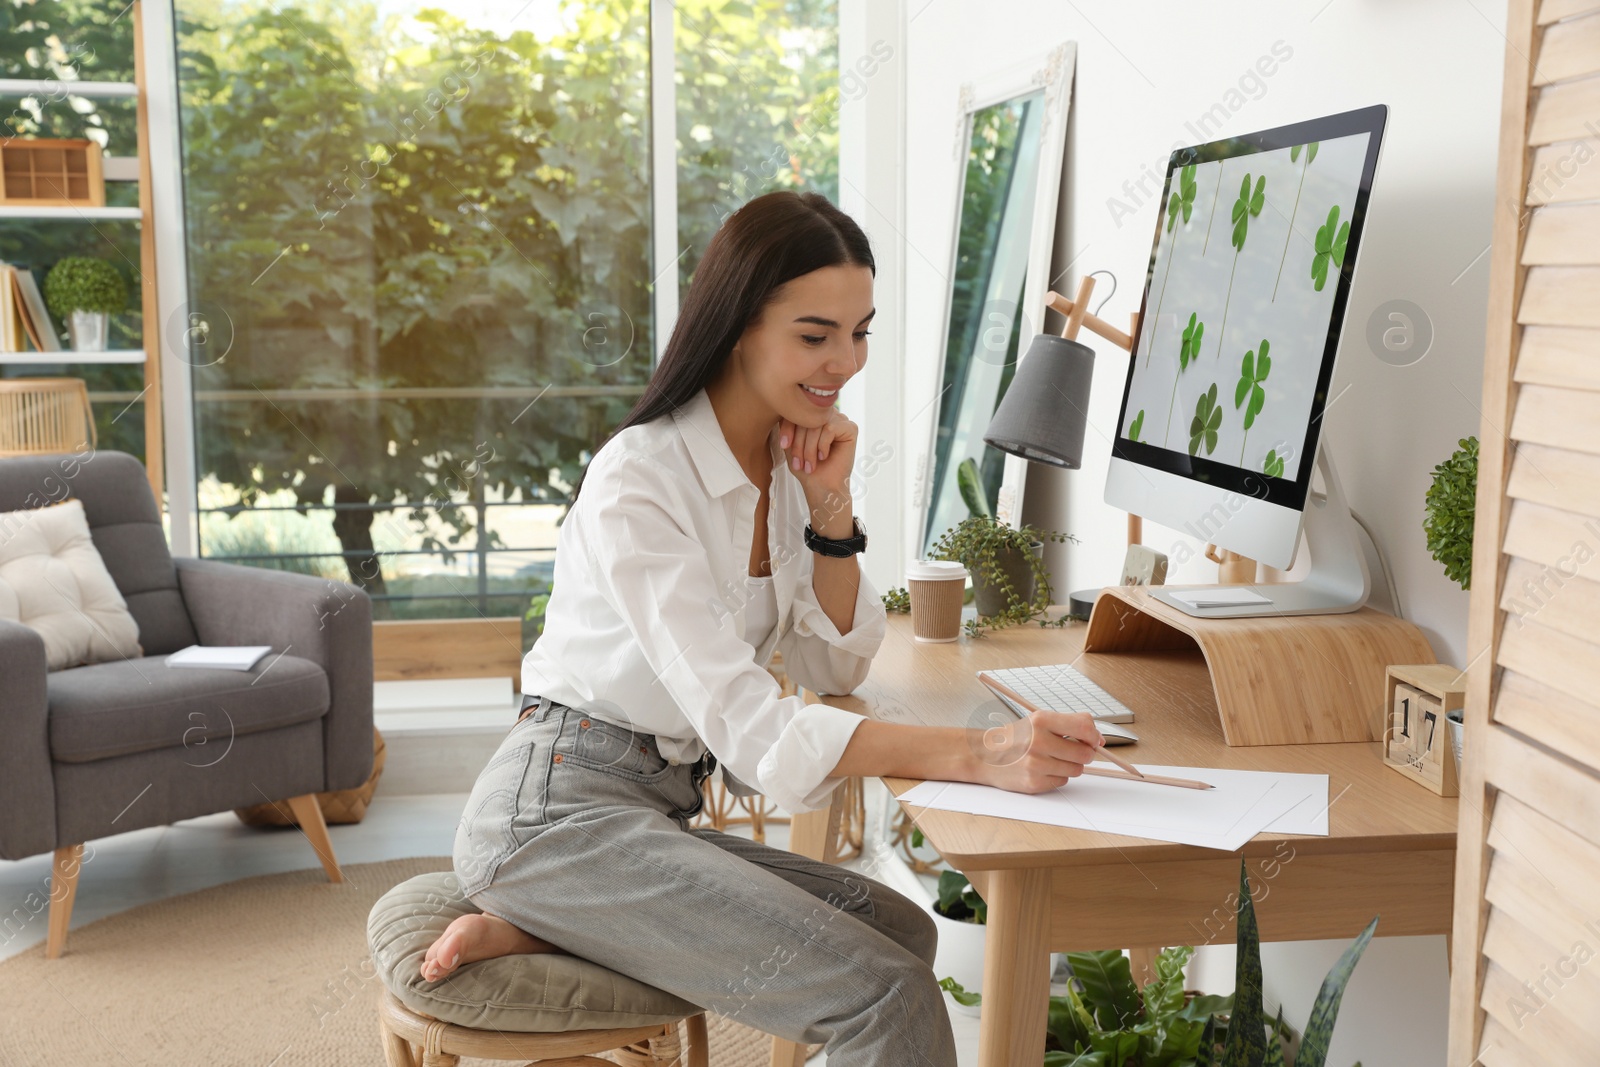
(537, 993)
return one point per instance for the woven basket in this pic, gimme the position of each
(340, 806)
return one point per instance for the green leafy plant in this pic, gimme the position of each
(1450, 504)
(1206, 422)
(1136, 425)
(84, 283)
(1272, 466)
(1180, 202)
(974, 494)
(1250, 1041)
(1294, 155)
(990, 549)
(536, 610)
(958, 900)
(1188, 352)
(897, 601)
(1253, 370)
(1332, 237)
(1105, 1020)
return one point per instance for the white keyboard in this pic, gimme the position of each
(1059, 687)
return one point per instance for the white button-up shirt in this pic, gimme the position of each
(646, 620)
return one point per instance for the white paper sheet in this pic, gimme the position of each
(219, 657)
(1242, 805)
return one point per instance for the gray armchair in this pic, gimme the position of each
(103, 749)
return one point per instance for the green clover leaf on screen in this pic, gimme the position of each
(1246, 207)
(1252, 372)
(1136, 425)
(1189, 351)
(1206, 422)
(1311, 152)
(1330, 247)
(1272, 467)
(1181, 200)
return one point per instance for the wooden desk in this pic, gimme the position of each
(1391, 850)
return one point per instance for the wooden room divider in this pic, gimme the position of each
(1526, 951)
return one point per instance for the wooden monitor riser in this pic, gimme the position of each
(1291, 680)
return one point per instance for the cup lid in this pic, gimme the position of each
(935, 570)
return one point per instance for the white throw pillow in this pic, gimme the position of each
(53, 580)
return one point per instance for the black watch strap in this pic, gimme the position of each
(838, 549)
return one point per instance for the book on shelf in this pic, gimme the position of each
(23, 313)
(36, 316)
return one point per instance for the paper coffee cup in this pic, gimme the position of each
(937, 588)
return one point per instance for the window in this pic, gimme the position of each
(420, 270)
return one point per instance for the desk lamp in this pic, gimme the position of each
(1045, 409)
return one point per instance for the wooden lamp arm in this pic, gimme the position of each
(1078, 314)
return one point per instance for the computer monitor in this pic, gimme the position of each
(1255, 248)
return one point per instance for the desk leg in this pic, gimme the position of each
(1016, 969)
(1142, 962)
(814, 835)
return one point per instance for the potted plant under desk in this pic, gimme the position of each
(960, 914)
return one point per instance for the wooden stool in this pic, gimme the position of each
(413, 1040)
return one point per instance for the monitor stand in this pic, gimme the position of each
(1337, 582)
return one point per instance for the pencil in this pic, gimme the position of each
(1004, 690)
(1153, 779)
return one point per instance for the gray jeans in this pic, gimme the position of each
(577, 832)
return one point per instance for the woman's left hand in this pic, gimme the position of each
(821, 457)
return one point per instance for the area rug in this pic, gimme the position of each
(265, 972)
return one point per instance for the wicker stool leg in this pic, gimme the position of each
(396, 1049)
(699, 1043)
(433, 1053)
(666, 1050)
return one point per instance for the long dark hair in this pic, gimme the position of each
(767, 243)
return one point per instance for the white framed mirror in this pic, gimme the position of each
(1010, 147)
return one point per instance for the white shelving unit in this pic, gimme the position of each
(135, 169)
(72, 356)
(70, 214)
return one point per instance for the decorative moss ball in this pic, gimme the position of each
(83, 283)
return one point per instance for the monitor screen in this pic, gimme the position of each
(1249, 274)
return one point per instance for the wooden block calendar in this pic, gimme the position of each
(1416, 736)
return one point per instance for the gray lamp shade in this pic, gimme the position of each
(1046, 407)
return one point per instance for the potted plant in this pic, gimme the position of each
(1450, 504)
(85, 292)
(1009, 581)
(1105, 1019)
(960, 914)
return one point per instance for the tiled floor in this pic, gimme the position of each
(135, 868)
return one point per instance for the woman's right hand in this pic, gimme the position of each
(1036, 753)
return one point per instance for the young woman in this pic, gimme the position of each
(714, 526)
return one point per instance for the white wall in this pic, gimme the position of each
(1146, 74)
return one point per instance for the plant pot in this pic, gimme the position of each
(1457, 731)
(88, 330)
(959, 956)
(991, 599)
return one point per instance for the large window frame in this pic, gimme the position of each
(871, 156)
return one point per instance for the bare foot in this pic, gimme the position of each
(477, 937)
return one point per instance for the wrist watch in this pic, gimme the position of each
(838, 549)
